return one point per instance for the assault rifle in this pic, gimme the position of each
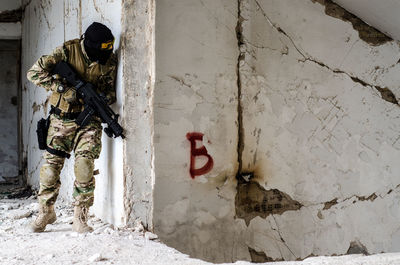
(94, 104)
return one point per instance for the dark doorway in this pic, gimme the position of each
(10, 112)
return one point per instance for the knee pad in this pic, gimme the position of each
(83, 169)
(49, 175)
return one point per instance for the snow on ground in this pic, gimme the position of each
(107, 245)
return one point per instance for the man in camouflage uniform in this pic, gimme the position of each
(92, 58)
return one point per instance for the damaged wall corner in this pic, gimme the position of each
(366, 32)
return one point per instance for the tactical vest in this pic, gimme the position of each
(89, 71)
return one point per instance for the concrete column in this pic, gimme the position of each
(138, 81)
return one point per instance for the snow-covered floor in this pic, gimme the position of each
(106, 245)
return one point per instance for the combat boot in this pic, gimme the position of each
(80, 220)
(46, 216)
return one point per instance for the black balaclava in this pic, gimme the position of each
(98, 42)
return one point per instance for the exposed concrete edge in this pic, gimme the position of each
(138, 55)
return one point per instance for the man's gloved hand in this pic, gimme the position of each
(68, 93)
(104, 97)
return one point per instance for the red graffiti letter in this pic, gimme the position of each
(202, 151)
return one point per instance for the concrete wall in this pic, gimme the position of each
(9, 72)
(309, 127)
(196, 92)
(320, 125)
(46, 25)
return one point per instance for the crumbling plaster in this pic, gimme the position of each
(381, 14)
(46, 25)
(311, 123)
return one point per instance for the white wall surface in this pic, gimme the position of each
(46, 25)
(317, 133)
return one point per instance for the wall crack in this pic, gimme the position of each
(240, 61)
(385, 92)
(356, 198)
(280, 235)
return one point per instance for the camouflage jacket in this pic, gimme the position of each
(73, 52)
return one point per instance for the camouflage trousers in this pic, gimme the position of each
(66, 135)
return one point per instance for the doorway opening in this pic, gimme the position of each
(10, 113)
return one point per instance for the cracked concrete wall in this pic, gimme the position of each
(196, 92)
(46, 25)
(309, 128)
(318, 128)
